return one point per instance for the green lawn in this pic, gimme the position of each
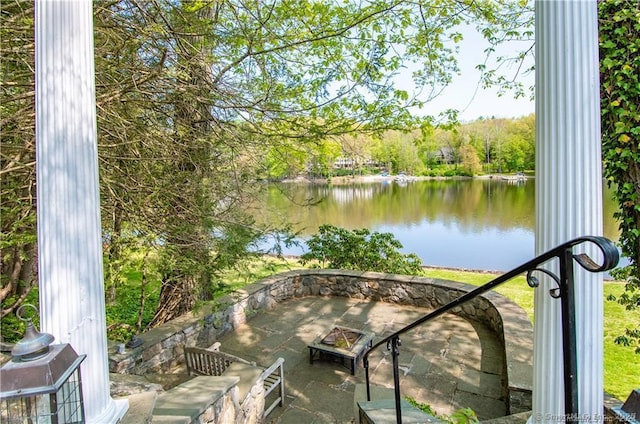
(621, 364)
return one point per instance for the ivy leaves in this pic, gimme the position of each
(620, 91)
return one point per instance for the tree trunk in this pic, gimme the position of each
(177, 297)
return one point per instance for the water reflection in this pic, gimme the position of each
(476, 224)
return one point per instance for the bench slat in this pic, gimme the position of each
(214, 362)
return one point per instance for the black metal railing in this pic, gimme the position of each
(564, 291)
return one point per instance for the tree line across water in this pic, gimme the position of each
(484, 146)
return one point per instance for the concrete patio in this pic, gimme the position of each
(449, 364)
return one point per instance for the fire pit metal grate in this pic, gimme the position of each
(342, 338)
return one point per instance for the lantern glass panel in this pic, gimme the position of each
(29, 396)
(63, 406)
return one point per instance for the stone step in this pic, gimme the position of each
(382, 407)
(140, 408)
(384, 411)
(377, 393)
(521, 418)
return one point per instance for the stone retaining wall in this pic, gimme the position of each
(163, 347)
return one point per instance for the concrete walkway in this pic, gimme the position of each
(449, 364)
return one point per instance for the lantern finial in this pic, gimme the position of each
(33, 344)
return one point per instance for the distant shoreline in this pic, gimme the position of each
(607, 277)
(433, 267)
(379, 178)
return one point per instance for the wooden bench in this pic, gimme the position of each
(213, 362)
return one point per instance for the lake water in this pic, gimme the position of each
(474, 224)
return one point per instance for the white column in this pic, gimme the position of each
(568, 197)
(68, 204)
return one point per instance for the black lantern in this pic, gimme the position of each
(41, 383)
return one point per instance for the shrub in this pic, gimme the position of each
(460, 416)
(360, 250)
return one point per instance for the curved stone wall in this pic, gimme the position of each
(163, 347)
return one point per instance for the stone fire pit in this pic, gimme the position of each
(341, 344)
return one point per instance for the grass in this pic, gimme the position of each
(255, 270)
(621, 364)
(122, 312)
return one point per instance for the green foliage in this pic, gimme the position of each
(343, 172)
(12, 328)
(122, 314)
(398, 151)
(469, 162)
(630, 299)
(120, 332)
(133, 282)
(460, 416)
(360, 249)
(285, 161)
(464, 416)
(441, 171)
(497, 145)
(17, 161)
(619, 33)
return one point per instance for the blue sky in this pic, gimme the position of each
(472, 100)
